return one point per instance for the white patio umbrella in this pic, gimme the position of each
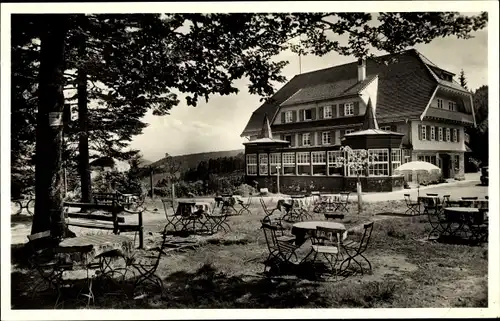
(417, 166)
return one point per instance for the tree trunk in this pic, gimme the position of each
(151, 182)
(49, 130)
(83, 144)
(360, 199)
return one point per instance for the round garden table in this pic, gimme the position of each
(301, 229)
(465, 220)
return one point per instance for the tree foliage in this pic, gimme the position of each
(479, 142)
(462, 79)
(145, 62)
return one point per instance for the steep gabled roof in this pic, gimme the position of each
(405, 87)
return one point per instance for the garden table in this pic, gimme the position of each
(228, 202)
(295, 208)
(191, 213)
(98, 245)
(301, 229)
(465, 219)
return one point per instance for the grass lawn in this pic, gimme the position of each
(225, 271)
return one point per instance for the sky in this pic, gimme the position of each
(217, 125)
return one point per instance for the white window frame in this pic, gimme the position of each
(332, 160)
(304, 113)
(263, 164)
(448, 135)
(387, 128)
(289, 116)
(252, 164)
(288, 160)
(440, 103)
(455, 135)
(303, 159)
(424, 132)
(328, 114)
(440, 134)
(433, 133)
(274, 160)
(349, 109)
(451, 105)
(374, 165)
(327, 141)
(304, 135)
(318, 158)
(396, 159)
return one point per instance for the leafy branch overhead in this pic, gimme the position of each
(149, 62)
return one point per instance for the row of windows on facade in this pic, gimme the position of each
(325, 138)
(325, 112)
(322, 163)
(437, 161)
(451, 105)
(429, 133)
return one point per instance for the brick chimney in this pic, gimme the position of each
(361, 69)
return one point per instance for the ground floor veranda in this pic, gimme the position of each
(319, 170)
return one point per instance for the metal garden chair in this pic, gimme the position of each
(413, 208)
(280, 252)
(344, 202)
(326, 245)
(245, 205)
(217, 220)
(174, 219)
(355, 250)
(144, 267)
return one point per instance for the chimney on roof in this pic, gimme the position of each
(361, 69)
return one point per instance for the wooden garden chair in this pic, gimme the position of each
(356, 250)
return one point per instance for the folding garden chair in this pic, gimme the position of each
(267, 211)
(43, 259)
(431, 205)
(344, 202)
(280, 252)
(438, 223)
(245, 206)
(144, 267)
(325, 249)
(173, 220)
(355, 249)
(413, 208)
(217, 220)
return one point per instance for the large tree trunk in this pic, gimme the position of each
(83, 144)
(49, 174)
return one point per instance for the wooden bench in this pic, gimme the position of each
(107, 219)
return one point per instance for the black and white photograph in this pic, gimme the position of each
(251, 159)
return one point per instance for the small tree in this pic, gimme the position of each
(462, 79)
(357, 161)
